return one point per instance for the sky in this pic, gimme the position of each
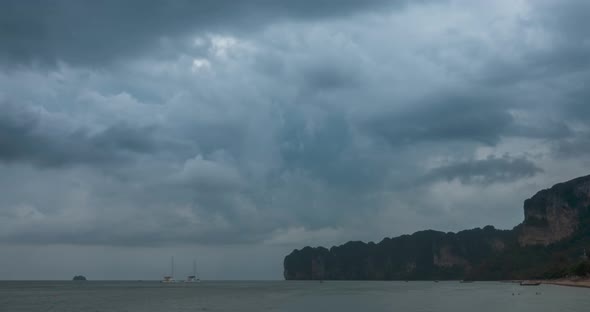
(233, 132)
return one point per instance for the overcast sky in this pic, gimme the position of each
(236, 131)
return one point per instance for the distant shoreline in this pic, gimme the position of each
(582, 282)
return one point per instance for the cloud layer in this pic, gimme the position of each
(280, 123)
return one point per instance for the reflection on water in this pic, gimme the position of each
(289, 296)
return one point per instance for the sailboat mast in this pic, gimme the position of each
(172, 266)
(194, 268)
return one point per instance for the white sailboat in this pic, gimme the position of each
(193, 278)
(168, 279)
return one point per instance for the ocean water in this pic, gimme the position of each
(289, 296)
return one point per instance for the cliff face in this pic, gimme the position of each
(554, 214)
(556, 225)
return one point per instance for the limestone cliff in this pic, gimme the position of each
(555, 230)
(422, 255)
(554, 214)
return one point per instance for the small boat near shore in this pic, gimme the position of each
(530, 283)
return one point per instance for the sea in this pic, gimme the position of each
(307, 296)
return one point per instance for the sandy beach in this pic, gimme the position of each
(578, 282)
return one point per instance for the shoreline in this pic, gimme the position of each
(582, 282)
(575, 282)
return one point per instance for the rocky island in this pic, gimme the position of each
(79, 278)
(549, 243)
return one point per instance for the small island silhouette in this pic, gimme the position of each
(79, 278)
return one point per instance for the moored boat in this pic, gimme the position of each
(193, 278)
(169, 279)
(530, 283)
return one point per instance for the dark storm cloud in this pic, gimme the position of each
(567, 18)
(329, 156)
(302, 128)
(565, 50)
(576, 146)
(577, 102)
(565, 61)
(90, 32)
(548, 130)
(485, 171)
(23, 139)
(476, 118)
(330, 75)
